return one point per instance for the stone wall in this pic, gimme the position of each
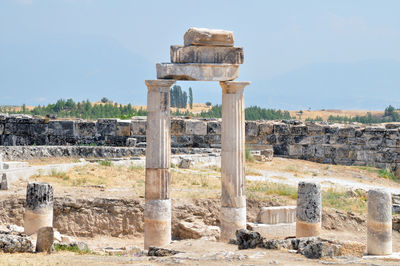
(377, 145)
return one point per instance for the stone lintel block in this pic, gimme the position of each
(212, 37)
(277, 215)
(206, 54)
(198, 72)
(274, 231)
(196, 127)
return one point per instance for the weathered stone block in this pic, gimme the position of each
(274, 231)
(106, 127)
(45, 239)
(212, 37)
(347, 132)
(178, 127)
(206, 54)
(277, 215)
(281, 129)
(251, 128)
(86, 129)
(138, 127)
(195, 127)
(214, 128)
(1, 129)
(199, 72)
(62, 128)
(298, 130)
(123, 128)
(265, 129)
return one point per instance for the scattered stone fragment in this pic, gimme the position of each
(15, 242)
(45, 239)
(15, 228)
(196, 230)
(4, 182)
(185, 163)
(247, 239)
(268, 154)
(161, 252)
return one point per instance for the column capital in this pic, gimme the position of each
(232, 87)
(159, 83)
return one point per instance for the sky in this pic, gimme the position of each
(332, 54)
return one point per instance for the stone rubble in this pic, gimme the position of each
(12, 242)
(310, 247)
(161, 252)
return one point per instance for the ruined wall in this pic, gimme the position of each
(377, 145)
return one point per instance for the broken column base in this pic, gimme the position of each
(304, 229)
(231, 219)
(36, 219)
(157, 223)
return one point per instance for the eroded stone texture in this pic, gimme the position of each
(197, 72)
(39, 207)
(4, 182)
(45, 239)
(231, 220)
(206, 54)
(212, 37)
(157, 223)
(309, 208)
(11, 242)
(379, 236)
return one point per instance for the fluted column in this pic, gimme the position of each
(157, 213)
(233, 198)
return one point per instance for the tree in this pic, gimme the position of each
(208, 103)
(190, 98)
(105, 100)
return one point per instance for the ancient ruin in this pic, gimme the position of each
(206, 64)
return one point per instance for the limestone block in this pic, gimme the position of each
(45, 239)
(123, 128)
(308, 211)
(196, 127)
(277, 215)
(379, 222)
(106, 127)
(86, 128)
(62, 128)
(212, 37)
(274, 231)
(131, 142)
(178, 127)
(214, 128)
(265, 129)
(251, 128)
(298, 130)
(206, 54)
(196, 230)
(281, 129)
(268, 153)
(295, 150)
(199, 72)
(1, 128)
(138, 127)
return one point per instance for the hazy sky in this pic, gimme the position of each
(280, 38)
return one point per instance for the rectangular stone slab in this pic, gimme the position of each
(206, 54)
(203, 36)
(197, 72)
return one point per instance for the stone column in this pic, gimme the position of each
(39, 207)
(1, 161)
(308, 211)
(233, 198)
(157, 213)
(379, 223)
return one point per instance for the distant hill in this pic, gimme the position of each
(367, 85)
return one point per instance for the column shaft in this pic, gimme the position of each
(157, 214)
(309, 210)
(233, 199)
(379, 222)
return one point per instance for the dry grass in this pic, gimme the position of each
(52, 160)
(326, 113)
